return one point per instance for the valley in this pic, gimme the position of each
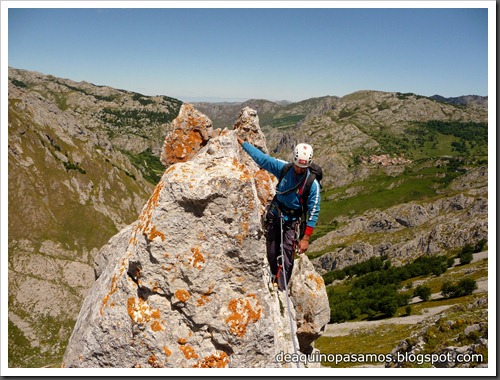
(465, 314)
(406, 176)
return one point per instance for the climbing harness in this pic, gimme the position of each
(282, 265)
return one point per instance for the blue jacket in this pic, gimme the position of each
(291, 179)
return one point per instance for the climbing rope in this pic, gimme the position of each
(286, 290)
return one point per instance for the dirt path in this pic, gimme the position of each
(346, 328)
(479, 256)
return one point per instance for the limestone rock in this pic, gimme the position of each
(187, 284)
(191, 130)
(310, 300)
(247, 126)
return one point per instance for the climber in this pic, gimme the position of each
(297, 202)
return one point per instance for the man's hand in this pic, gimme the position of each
(240, 140)
(304, 244)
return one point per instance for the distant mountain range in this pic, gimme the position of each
(341, 129)
(466, 100)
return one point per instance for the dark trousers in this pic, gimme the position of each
(273, 242)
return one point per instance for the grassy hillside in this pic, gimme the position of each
(83, 160)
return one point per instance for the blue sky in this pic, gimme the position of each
(276, 54)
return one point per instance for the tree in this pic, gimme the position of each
(422, 291)
(466, 258)
(480, 245)
(464, 287)
(467, 286)
(408, 309)
(388, 305)
(440, 268)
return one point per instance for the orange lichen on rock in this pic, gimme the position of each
(114, 282)
(191, 131)
(197, 260)
(153, 362)
(263, 185)
(181, 340)
(114, 287)
(188, 351)
(140, 312)
(144, 225)
(210, 290)
(317, 280)
(182, 295)
(205, 297)
(213, 361)
(182, 145)
(155, 233)
(203, 300)
(167, 351)
(156, 314)
(244, 229)
(237, 164)
(243, 312)
(156, 326)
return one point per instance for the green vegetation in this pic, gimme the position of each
(373, 292)
(464, 287)
(144, 100)
(408, 95)
(346, 112)
(25, 353)
(286, 121)
(447, 331)
(465, 254)
(450, 331)
(370, 265)
(149, 164)
(61, 100)
(375, 289)
(478, 270)
(74, 166)
(383, 106)
(131, 117)
(109, 98)
(469, 131)
(363, 342)
(422, 291)
(19, 83)
(423, 180)
(434, 138)
(73, 88)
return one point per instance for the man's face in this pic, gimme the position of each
(299, 170)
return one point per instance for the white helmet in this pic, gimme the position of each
(303, 155)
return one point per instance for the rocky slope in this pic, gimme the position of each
(73, 183)
(342, 129)
(406, 231)
(187, 284)
(466, 100)
(465, 327)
